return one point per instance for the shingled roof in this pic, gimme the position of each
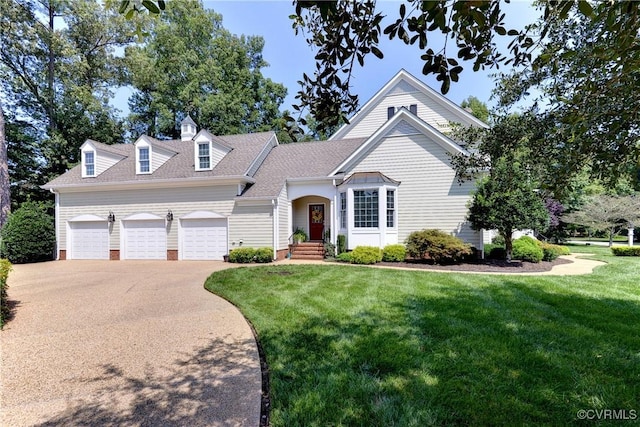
(300, 160)
(244, 150)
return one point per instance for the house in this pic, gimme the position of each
(383, 175)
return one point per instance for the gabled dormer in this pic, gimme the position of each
(207, 151)
(188, 129)
(150, 155)
(96, 158)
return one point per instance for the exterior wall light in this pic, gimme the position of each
(111, 218)
(169, 215)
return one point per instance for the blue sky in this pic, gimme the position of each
(289, 56)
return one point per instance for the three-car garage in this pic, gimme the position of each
(200, 236)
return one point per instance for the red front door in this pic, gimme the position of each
(316, 222)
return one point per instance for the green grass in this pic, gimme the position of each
(372, 347)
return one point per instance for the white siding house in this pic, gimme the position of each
(385, 174)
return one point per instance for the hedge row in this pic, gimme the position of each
(5, 268)
(249, 255)
(626, 250)
(373, 254)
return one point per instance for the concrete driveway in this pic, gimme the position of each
(125, 343)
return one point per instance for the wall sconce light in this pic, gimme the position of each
(112, 217)
(169, 215)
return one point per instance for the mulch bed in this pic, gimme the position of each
(484, 266)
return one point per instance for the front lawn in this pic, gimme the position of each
(373, 347)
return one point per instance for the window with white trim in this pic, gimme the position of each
(343, 210)
(143, 160)
(89, 163)
(204, 156)
(391, 208)
(365, 208)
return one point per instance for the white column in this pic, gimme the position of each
(630, 235)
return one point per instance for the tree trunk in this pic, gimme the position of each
(5, 189)
(611, 236)
(508, 244)
(50, 71)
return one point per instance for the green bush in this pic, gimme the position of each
(366, 255)
(263, 255)
(5, 269)
(551, 252)
(437, 246)
(344, 257)
(497, 252)
(242, 255)
(394, 253)
(329, 250)
(527, 249)
(342, 243)
(498, 240)
(626, 250)
(28, 235)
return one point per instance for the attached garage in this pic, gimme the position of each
(144, 236)
(88, 238)
(203, 236)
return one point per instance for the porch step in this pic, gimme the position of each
(308, 250)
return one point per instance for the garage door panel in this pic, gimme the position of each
(89, 240)
(145, 240)
(204, 239)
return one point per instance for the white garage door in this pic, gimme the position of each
(89, 240)
(204, 239)
(145, 239)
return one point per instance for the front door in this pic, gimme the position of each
(316, 222)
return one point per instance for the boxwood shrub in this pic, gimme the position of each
(551, 252)
(626, 250)
(248, 255)
(394, 253)
(342, 243)
(527, 249)
(366, 255)
(437, 246)
(344, 257)
(28, 235)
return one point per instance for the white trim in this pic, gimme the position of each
(402, 115)
(84, 163)
(142, 217)
(155, 183)
(196, 155)
(273, 142)
(202, 215)
(86, 218)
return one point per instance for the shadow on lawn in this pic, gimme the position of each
(493, 355)
(205, 387)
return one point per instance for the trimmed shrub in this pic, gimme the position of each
(242, 255)
(497, 252)
(342, 243)
(626, 250)
(394, 253)
(437, 246)
(5, 269)
(366, 255)
(263, 255)
(527, 249)
(552, 252)
(344, 257)
(28, 235)
(498, 240)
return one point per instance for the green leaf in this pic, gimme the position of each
(129, 14)
(585, 8)
(124, 4)
(151, 6)
(377, 52)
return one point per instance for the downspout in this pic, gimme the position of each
(274, 203)
(56, 221)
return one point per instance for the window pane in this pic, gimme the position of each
(343, 210)
(365, 208)
(391, 205)
(144, 159)
(89, 163)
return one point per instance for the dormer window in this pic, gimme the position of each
(143, 160)
(204, 156)
(89, 163)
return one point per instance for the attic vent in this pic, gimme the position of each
(413, 109)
